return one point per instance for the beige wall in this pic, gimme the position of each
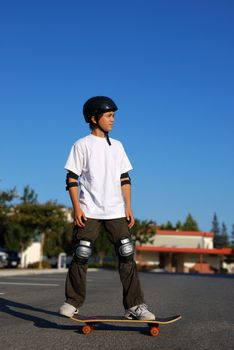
(183, 241)
(31, 254)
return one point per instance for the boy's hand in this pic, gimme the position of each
(79, 217)
(129, 217)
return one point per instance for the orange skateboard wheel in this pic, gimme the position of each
(154, 331)
(87, 329)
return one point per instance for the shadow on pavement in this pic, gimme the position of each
(9, 306)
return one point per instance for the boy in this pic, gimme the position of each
(102, 166)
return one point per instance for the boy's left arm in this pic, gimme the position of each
(126, 190)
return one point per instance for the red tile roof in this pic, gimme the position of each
(185, 233)
(223, 251)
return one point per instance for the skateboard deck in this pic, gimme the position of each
(153, 326)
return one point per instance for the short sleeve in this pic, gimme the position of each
(75, 160)
(125, 162)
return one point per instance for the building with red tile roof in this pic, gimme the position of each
(182, 251)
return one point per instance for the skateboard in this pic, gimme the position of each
(153, 326)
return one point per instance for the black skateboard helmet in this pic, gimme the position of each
(97, 105)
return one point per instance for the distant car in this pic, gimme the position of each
(3, 257)
(9, 258)
(13, 259)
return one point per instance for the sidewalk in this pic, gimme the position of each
(25, 272)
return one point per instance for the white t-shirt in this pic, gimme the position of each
(99, 166)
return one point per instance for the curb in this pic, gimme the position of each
(25, 272)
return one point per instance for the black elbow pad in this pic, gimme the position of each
(125, 179)
(71, 175)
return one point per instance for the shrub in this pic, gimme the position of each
(36, 265)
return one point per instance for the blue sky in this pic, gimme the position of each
(167, 64)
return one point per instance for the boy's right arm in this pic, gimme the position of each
(78, 214)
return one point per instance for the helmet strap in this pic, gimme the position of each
(105, 132)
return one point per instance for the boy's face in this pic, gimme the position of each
(106, 121)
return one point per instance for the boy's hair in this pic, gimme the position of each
(92, 125)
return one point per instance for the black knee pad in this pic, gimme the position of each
(125, 249)
(83, 251)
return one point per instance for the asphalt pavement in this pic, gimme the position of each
(29, 319)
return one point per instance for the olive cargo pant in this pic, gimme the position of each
(75, 289)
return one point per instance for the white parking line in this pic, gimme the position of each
(31, 284)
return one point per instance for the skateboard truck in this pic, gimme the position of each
(153, 329)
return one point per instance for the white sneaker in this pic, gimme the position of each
(68, 310)
(139, 312)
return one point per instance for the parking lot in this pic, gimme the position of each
(29, 317)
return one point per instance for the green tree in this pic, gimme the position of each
(58, 237)
(179, 225)
(22, 222)
(215, 225)
(220, 235)
(190, 224)
(14, 235)
(6, 199)
(232, 236)
(47, 222)
(103, 246)
(167, 226)
(4, 226)
(215, 228)
(143, 231)
(223, 237)
(50, 221)
(29, 196)
(225, 234)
